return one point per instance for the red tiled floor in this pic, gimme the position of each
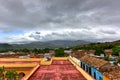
(61, 62)
(59, 70)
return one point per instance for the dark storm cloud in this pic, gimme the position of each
(59, 15)
(22, 15)
(35, 35)
(71, 35)
(108, 31)
(14, 6)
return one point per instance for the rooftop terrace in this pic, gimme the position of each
(58, 70)
(39, 69)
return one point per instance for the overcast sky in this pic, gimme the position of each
(43, 20)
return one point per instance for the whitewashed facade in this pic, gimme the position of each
(77, 61)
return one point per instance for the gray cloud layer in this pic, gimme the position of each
(63, 19)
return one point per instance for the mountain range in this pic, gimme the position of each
(47, 44)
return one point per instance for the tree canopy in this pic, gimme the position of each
(59, 52)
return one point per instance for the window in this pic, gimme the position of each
(100, 78)
(89, 70)
(94, 75)
(86, 68)
(81, 65)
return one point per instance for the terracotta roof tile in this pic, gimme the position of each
(113, 74)
(96, 62)
(91, 52)
(78, 54)
(108, 51)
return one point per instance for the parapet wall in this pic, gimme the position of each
(45, 62)
(32, 71)
(18, 65)
(20, 59)
(60, 58)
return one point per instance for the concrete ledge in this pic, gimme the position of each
(60, 58)
(18, 65)
(20, 59)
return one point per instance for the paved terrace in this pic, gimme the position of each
(58, 70)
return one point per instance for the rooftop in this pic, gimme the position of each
(96, 62)
(78, 54)
(58, 70)
(55, 69)
(113, 74)
(108, 51)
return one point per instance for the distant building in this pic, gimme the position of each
(26, 56)
(67, 52)
(92, 52)
(10, 52)
(12, 55)
(48, 55)
(108, 51)
(76, 55)
(33, 56)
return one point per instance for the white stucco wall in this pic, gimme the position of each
(77, 61)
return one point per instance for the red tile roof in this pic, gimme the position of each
(113, 74)
(108, 51)
(91, 52)
(96, 62)
(78, 54)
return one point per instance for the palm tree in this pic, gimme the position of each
(2, 73)
(11, 75)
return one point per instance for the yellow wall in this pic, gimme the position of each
(26, 72)
(60, 58)
(18, 65)
(20, 59)
(44, 62)
(105, 78)
(27, 76)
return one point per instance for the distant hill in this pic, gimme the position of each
(51, 44)
(47, 44)
(5, 46)
(113, 42)
(105, 45)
